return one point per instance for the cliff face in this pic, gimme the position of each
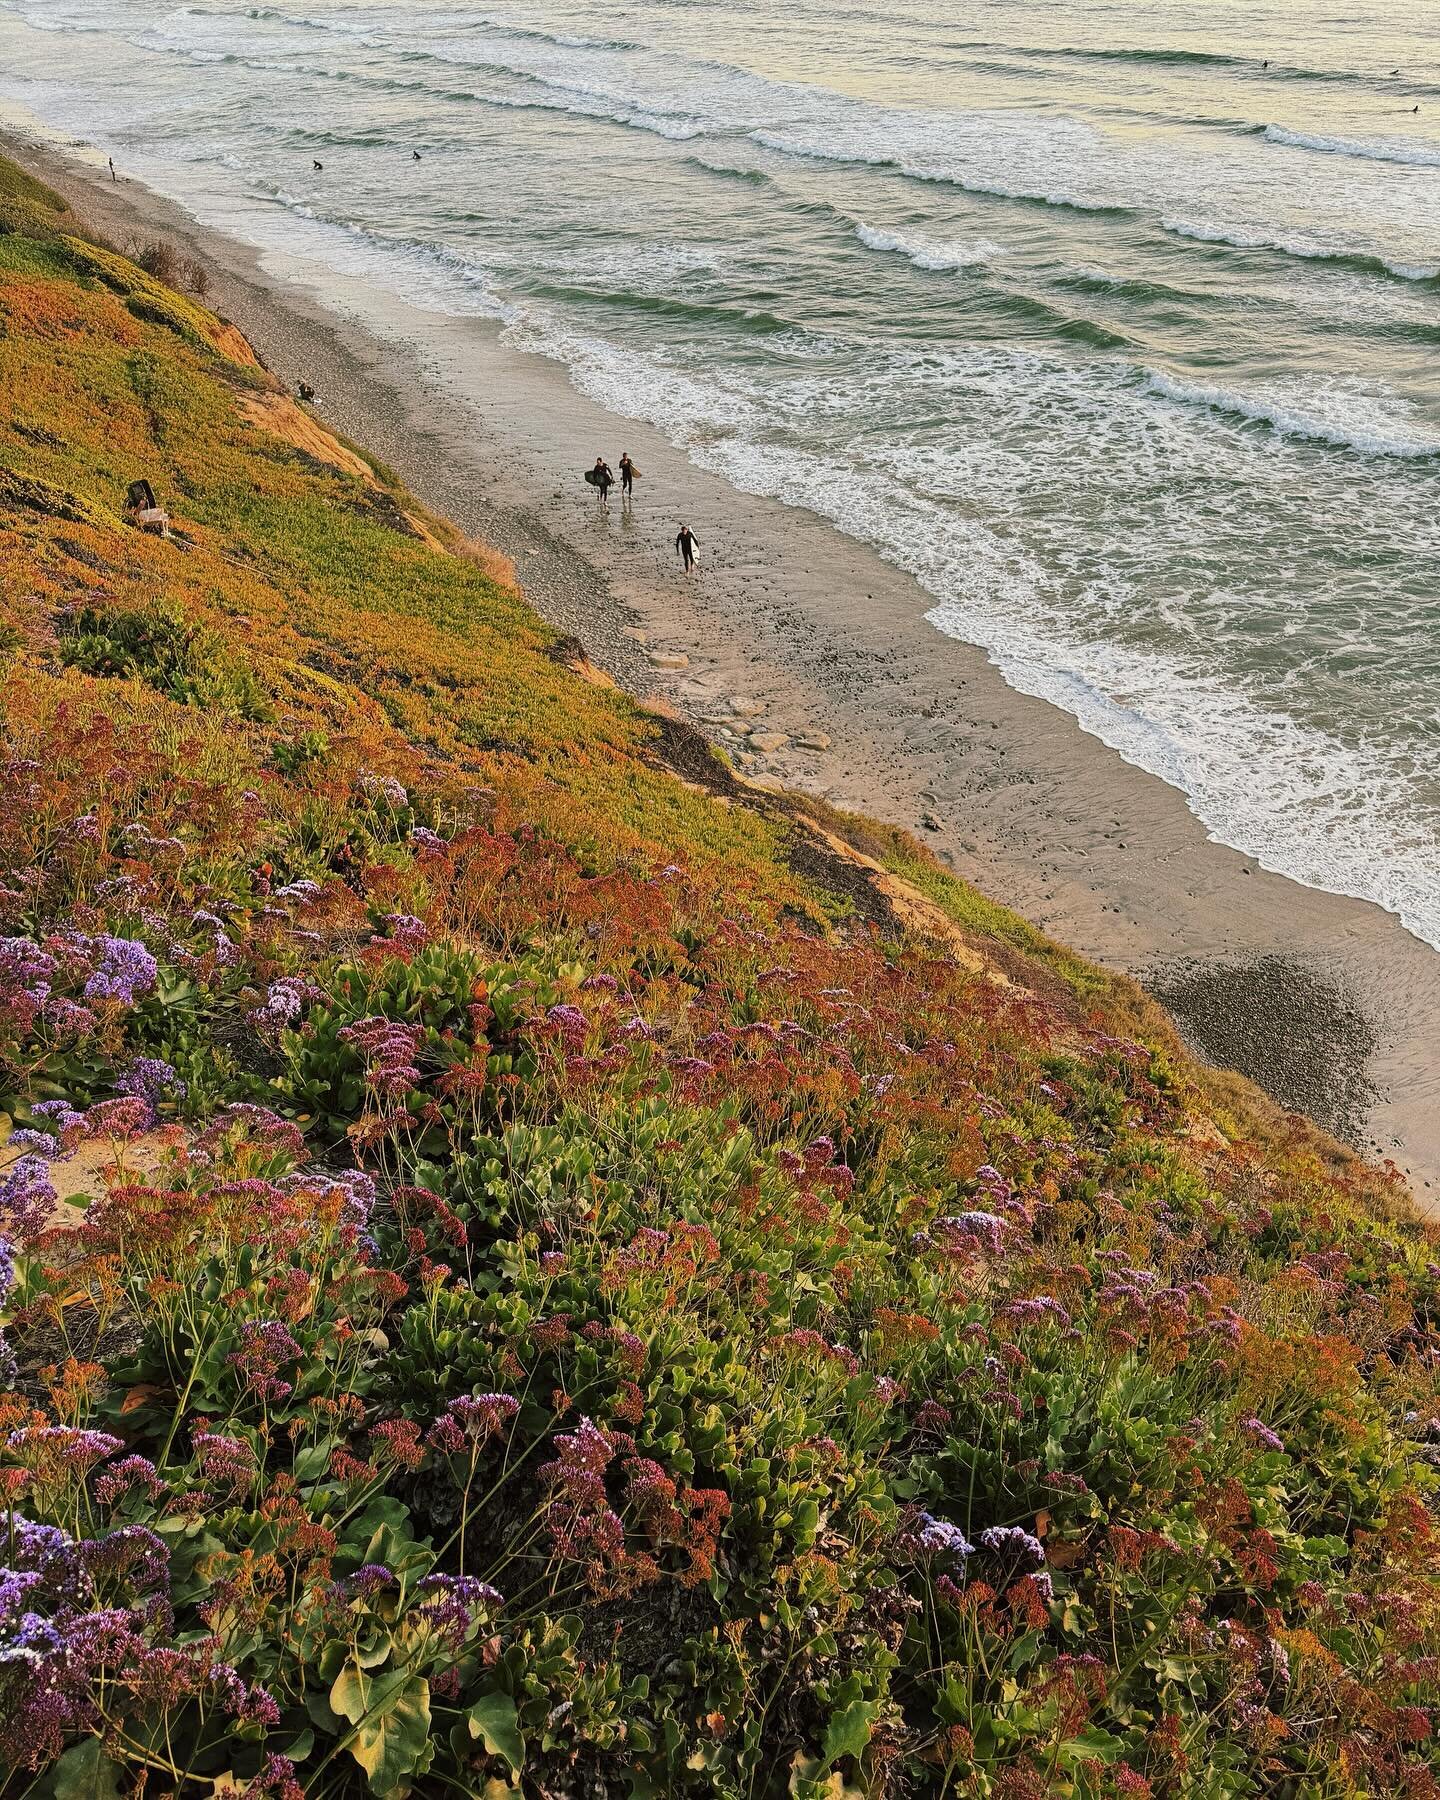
(536, 1260)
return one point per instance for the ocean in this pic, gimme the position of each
(1123, 342)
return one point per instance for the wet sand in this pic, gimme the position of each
(789, 631)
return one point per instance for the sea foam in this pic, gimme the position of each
(929, 253)
(1330, 412)
(1420, 156)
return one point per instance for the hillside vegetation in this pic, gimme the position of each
(532, 1267)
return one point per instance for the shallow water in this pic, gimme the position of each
(1125, 345)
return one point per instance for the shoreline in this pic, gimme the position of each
(1319, 998)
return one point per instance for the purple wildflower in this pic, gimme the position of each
(133, 1554)
(406, 932)
(391, 1052)
(472, 1418)
(148, 1078)
(1014, 1543)
(121, 1477)
(383, 787)
(267, 1348)
(27, 1199)
(971, 1228)
(123, 969)
(371, 1577)
(224, 1459)
(1033, 1312)
(928, 1539)
(1260, 1433)
(53, 1448)
(453, 1603)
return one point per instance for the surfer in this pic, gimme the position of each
(319, 168)
(687, 544)
(415, 154)
(113, 175)
(602, 477)
(306, 392)
(628, 472)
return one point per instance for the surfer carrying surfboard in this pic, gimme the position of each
(601, 477)
(628, 472)
(687, 544)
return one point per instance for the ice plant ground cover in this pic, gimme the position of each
(570, 1298)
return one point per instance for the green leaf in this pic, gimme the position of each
(848, 1732)
(311, 1464)
(494, 1721)
(391, 1716)
(85, 1772)
(1092, 1745)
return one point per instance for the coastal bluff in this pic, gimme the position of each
(533, 1263)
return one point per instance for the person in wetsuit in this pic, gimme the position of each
(627, 475)
(687, 544)
(604, 478)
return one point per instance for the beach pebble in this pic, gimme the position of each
(745, 709)
(669, 659)
(930, 822)
(814, 740)
(767, 741)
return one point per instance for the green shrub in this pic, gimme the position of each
(186, 661)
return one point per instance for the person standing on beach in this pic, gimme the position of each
(687, 544)
(627, 475)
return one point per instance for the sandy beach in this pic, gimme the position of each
(811, 660)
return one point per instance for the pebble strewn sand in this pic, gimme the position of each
(810, 659)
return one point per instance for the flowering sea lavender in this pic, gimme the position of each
(1035, 1311)
(577, 1476)
(150, 1079)
(276, 1781)
(453, 1603)
(355, 1188)
(26, 975)
(257, 1126)
(15, 1586)
(569, 1021)
(928, 1539)
(391, 1052)
(67, 1019)
(115, 1482)
(226, 1460)
(120, 1119)
(983, 1229)
(59, 1113)
(1014, 1543)
(370, 1578)
(267, 1348)
(472, 1418)
(27, 1199)
(123, 968)
(1260, 1433)
(57, 1452)
(405, 932)
(133, 1555)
